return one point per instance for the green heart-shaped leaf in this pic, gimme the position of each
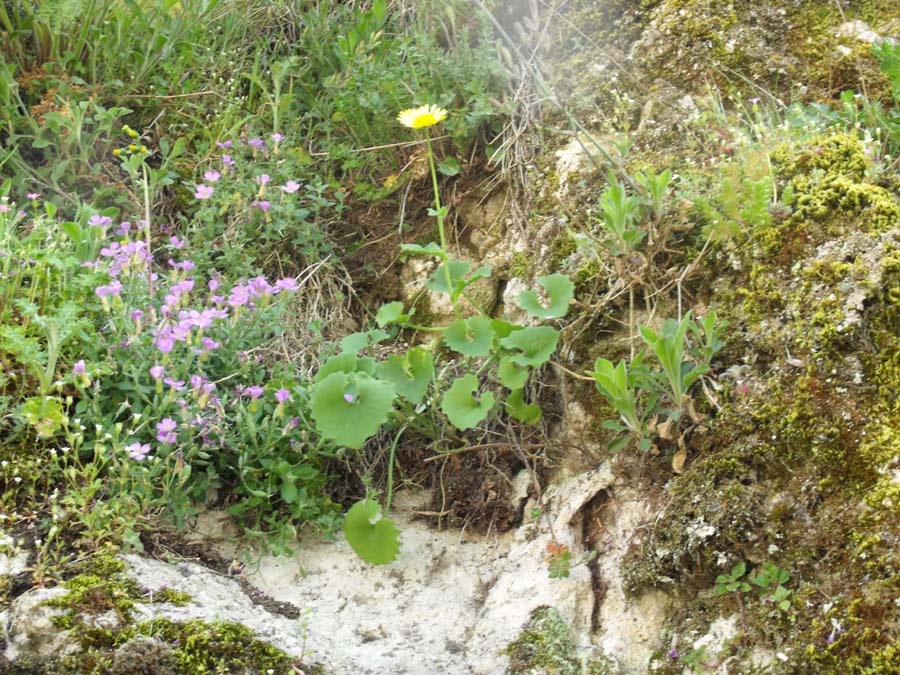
(410, 375)
(356, 342)
(458, 270)
(519, 410)
(449, 166)
(504, 328)
(349, 409)
(512, 375)
(535, 345)
(471, 337)
(376, 542)
(461, 408)
(391, 313)
(559, 290)
(460, 278)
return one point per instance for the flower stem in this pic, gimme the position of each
(440, 221)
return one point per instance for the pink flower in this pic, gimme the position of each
(204, 191)
(256, 143)
(282, 396)
(166, 430)
(212, 175)
(4, 208)
(290, 187)
(349, 398)
(277, 137)
(33, 195)
(253, 392)
(227, 161)
(156, 372)
(262, 205)
(264, 178)
(223, 144)
(99, 221)
(286, 284)
(177, 385)
(209, 344)
(176, 242)
(123, 228)
(112, 289)
(138, 451)
(78, 368)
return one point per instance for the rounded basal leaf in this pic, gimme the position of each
(461, 407)
(410, 374)
(559, 290)
(534, 345)
(449, 166)
(375, 540)
(512, 376)
(342, 363)
(521, 411)
(470, 337)
(458, 270)
(504, 328)
(391, 313)
(349, 409)
(356, 342)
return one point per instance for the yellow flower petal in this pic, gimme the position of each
(421, 117)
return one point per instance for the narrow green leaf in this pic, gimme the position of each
(431, 249)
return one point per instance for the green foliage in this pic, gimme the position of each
(641, 395)
(340, 397)
(375, 539)
(470, 337)
(669, 347)
(461, 407)
(733, 582)
(619, 216)
(559, 291)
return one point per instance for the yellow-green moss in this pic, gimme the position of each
(546, 646)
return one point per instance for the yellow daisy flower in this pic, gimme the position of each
(421, 117)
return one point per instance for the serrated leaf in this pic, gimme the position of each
(528, 413)
(461, 407)
(45, 414)
(533, 345)
(470, 337)
(375, 540)
(559, 290)
(410, 374)
(391, 313)
(350, 409)
(512, 375)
